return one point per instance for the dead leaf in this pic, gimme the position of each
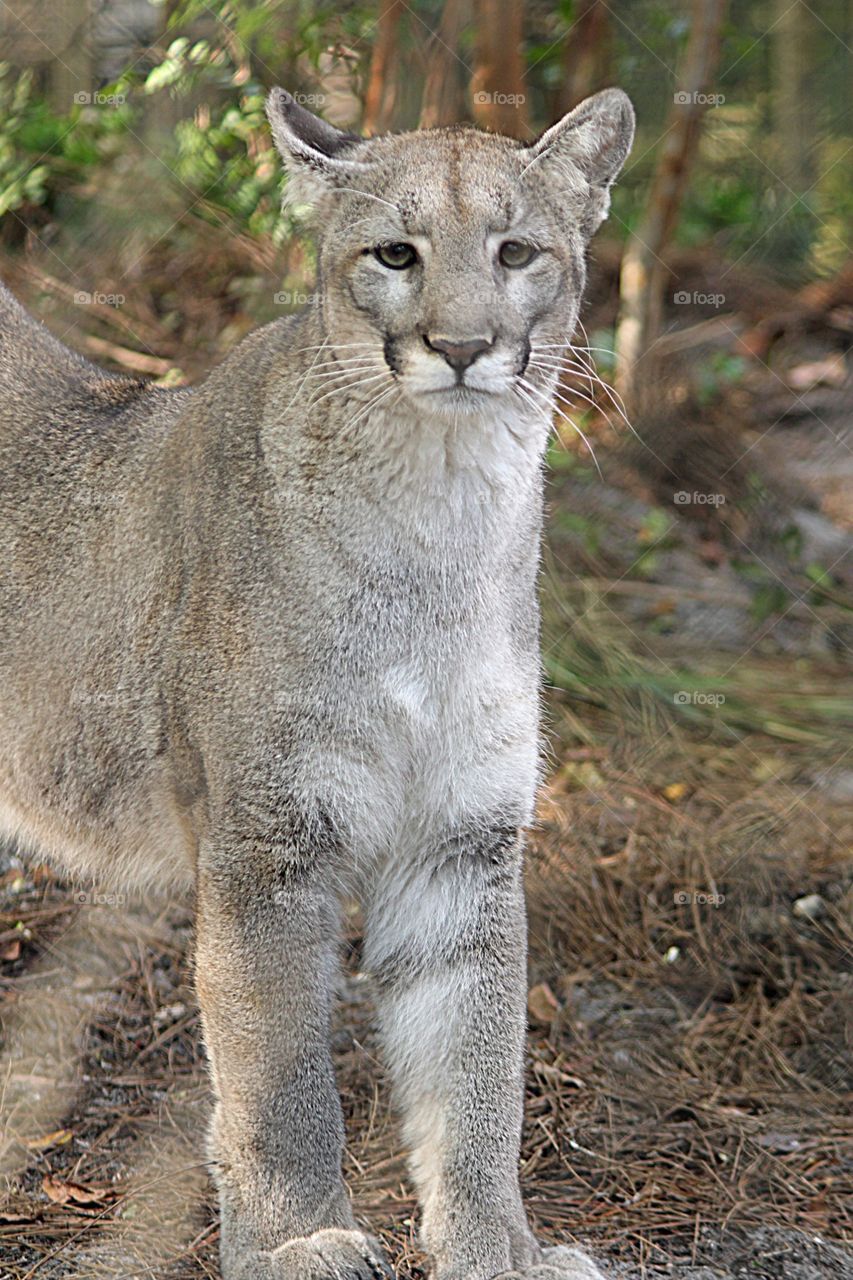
(12, 950)
(580, 775)
(554, 1075)
(676, 791)
(56, 1139)
(663, 608)
(542, 1004)
(73, 1193)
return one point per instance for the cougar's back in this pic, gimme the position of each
(79, 596)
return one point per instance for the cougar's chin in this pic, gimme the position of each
(456, 401)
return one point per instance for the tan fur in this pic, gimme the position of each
(277, 636)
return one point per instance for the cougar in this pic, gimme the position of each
(275, 638)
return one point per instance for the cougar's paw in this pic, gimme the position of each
(558, 1263)
(331, 1254)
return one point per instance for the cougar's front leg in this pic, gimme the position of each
(448, 949)
(266, 953)
(449, 961)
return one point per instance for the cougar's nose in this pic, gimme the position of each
(459, 354)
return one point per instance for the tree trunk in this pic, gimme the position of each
(640, 284)
(445, 98)
(500, 89)
(793, 118)
(381, 96)
(586, 55)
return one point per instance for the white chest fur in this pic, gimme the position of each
(452, 700)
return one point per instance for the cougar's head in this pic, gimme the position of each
(449, 258)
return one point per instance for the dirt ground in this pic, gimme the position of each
(689, 1069)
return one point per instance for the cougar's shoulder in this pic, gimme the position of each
(38, 373)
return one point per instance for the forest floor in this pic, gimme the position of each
(689, 1069)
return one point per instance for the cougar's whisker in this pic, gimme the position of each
(535, 392)
(587, 371)
(339, 346)
(372, 404)
(349, 372)
(349, 386)
(341, 366)
(580, 394)
(306, 375)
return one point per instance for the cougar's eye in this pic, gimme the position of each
(396, 256)
(516, 253)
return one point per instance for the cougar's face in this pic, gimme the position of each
(450, 257)
(459, 275)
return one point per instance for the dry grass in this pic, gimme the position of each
(688, 1102)
(692, 1085)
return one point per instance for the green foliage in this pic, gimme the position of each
(42, 152)
(560, 459)
(589, 657)
(582, 527)
(271, 35)
(714, 375)
(225, 155)
(653, 536)
(603, 344)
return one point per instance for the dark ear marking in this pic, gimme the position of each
(285, 113)
(317, 156)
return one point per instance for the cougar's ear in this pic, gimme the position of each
(317, 156)
(595, 138)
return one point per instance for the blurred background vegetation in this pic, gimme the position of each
(174, 91)
(691, 875)
(140, 216)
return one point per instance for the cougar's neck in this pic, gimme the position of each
(442, 475)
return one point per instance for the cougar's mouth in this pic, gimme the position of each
(459, 399)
